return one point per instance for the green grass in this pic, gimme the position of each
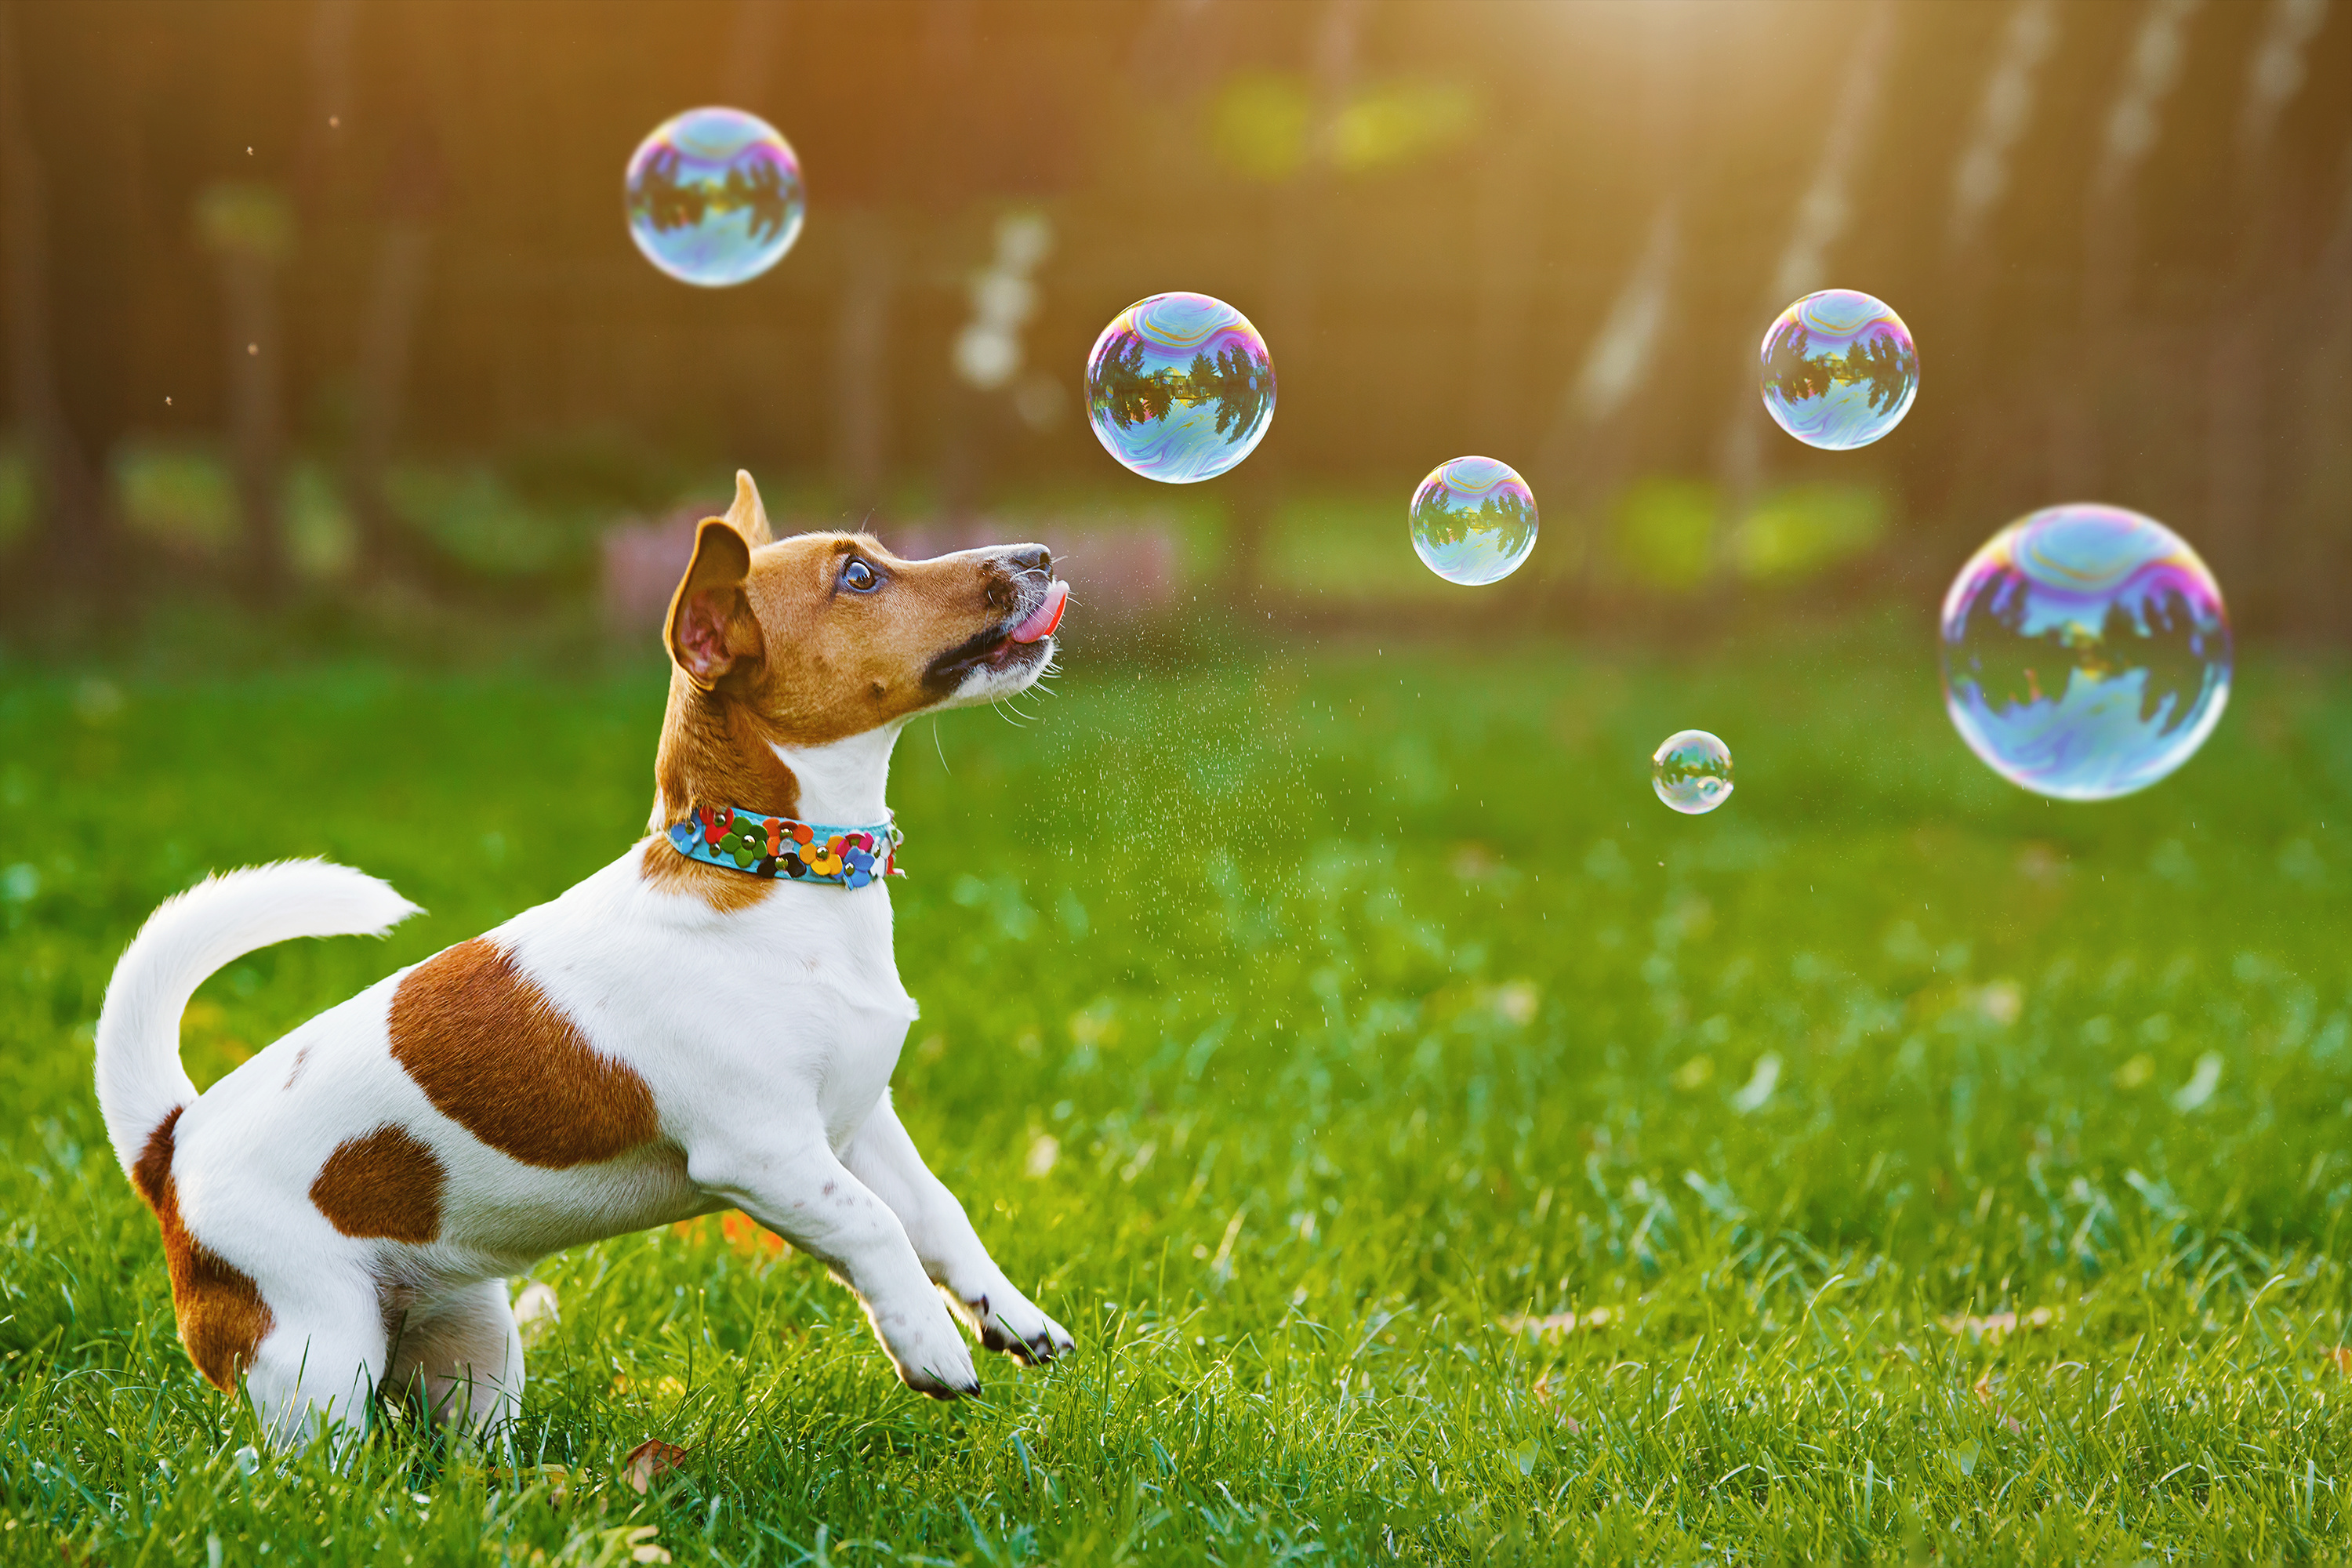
(1291, 1024)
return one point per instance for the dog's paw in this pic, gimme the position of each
(931, 1356)
(1011, 1323)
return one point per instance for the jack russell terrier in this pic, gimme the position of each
(710, 1022)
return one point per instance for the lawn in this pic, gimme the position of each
(1442, 1151)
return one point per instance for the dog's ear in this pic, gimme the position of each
(711, 622)
(749, 517)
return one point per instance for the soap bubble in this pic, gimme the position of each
(1840, 370)
(715, 196)
(1180, 387)
(1474, 520)
(1691, 771)
(2087, 652)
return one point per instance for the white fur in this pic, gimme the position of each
(767, 1036)
(843, 784)
(140, 1079)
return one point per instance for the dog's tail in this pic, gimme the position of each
(140, 1079)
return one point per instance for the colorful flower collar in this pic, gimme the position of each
(767, 846)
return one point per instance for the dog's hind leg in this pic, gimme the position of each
(885, 1159)
(461, 1355)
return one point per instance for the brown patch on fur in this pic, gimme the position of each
(716, 749)
(496, 1056)
(222, 1319)
(300, 1057)
(387, 1184)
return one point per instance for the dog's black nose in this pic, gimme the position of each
(1029, 558)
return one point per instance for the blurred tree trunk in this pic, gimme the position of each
(2235, 382)
(1298, 213)
(752, 37)
(1594, 441)
(1505, 280)
(2152, 65)
(76, 548)
(411, 196)
(2320, 543)
(861, 371)
(1981, 180)
(1819, 223)
(395, 303)
(333, 24)
(249, 230)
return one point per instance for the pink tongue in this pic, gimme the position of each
(1045, 616)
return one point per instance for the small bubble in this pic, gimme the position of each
(334, 122)
(253, 349)
(1691, 771)
(1474, 520)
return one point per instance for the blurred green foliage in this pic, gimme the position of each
(1664, 533)
(179, 494)
(1806, 530)
(1261, 124)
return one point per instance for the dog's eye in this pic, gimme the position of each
(858, 578)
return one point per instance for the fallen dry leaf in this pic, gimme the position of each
(1982, 1388)
(748, 1236)
(639, 1540)
(1996, 1324)
(1557, 1322)
(1545, 1394)
(536, 1311)
(651, 1461)
(2342, 1357)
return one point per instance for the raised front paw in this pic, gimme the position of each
(931, 1356)
(1009, 1321)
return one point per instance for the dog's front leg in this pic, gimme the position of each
(798, 1189)
(886, 1157)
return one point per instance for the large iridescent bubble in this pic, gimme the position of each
(715, 196)
(1840, 370)
(1474, 520)
(2087, 652)
(1180, 387)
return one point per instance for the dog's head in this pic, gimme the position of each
(826, 635)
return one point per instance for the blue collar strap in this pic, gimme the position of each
(762, 845)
